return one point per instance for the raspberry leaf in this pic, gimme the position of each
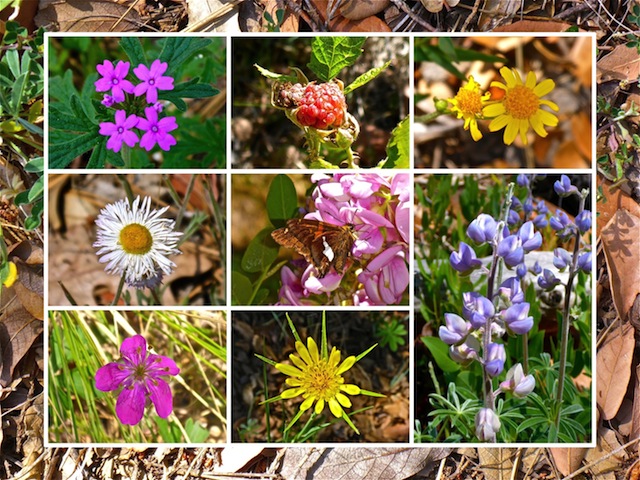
(329, 55)
(366, 78)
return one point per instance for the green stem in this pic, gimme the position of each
(127, 187)
(126, 156)
(119, 291)
(566, 319)
(430, 117)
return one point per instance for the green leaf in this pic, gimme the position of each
(35, 165)
(190, 89)
(177, 50)
(12, 59)
(447, 47)
(17, 93)
(133, 48)
(398, 147)
(62, 154)
(282, 200)
(36, 189)
(329, 55)
(366, 77)
(261, 252)
(22, 198)
(241, 289)
(440, 352)
(60, 118)
(35, 219)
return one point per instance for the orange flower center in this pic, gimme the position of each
(520, 102)
(321, 381)
(469, 101)
(136, 239)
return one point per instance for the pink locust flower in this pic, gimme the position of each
(140, 375)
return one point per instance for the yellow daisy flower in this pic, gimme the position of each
(468, 104)
(520, 109)
(317, 376)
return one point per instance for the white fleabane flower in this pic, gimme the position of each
(134, 241)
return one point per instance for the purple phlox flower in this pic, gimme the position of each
(107, 100)
(152, 80)
(482, 229)
(386, 277)
(584, 262)
(496, 356)
(561, 258)
(548, 281)
(517, 382)
(513, 217)
(523, 180)
(157, 131)
(142, 377)
(477, 309)
(517, 319)
(120, 131)
(158, 106)
(564, 188)
(464, 261)
(583, 221)
(531, 240)
(510, 291)
(455, 331)
(521, 270)
(510, 249)
(114, 79)
(487, 425)
(466, 352)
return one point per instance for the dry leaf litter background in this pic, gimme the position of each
(617, 67)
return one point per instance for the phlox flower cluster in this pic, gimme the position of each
(478, 334)
(136, 106)
(379, 208)
(518, 109)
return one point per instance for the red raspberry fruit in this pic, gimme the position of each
(321, 106)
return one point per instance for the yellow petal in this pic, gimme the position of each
(550, 104)
(346, 365)
(313, 349)
(531, 81)
(512, 77)
(523, 127)
(475, 132)
(12, 275)
(297, 361)
(306, 404)
(334, 357)
(493, 110)
(547, 118)
(292, 392)
(343, 400)
(303, 352)
(499, 123)
(510, 133)
(544, 87)
(350, 389)
(288, 370)
(319, 406)
(335, 408)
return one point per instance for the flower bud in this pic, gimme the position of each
(561, 258)
(563, 187)
(487, 425)
(455, 331)
(517, 383)
(584, 262)
(464, 261)
(548, 281)
(496, 357)
(482, 229)
(583, 221)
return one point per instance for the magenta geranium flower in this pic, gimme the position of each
(113, 78)
(157, 131)
(141, 377)
(152, 80)
(120, 131)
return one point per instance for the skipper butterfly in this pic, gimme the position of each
(323, 244)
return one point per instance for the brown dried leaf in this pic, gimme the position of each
(613, 367)
(30, 289)
(18, 330)
(496, 463)
(568, 460)
(359, 9)
(89, 16)
(357, 463)
(614, 200)
(601, 463)
(533, 26)
(622, 63)
(621, 245)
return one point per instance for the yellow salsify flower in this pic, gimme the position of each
(520, 109)
(468, 104)
(317, 376)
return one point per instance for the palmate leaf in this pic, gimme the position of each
(329, 55)
(190, 89)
